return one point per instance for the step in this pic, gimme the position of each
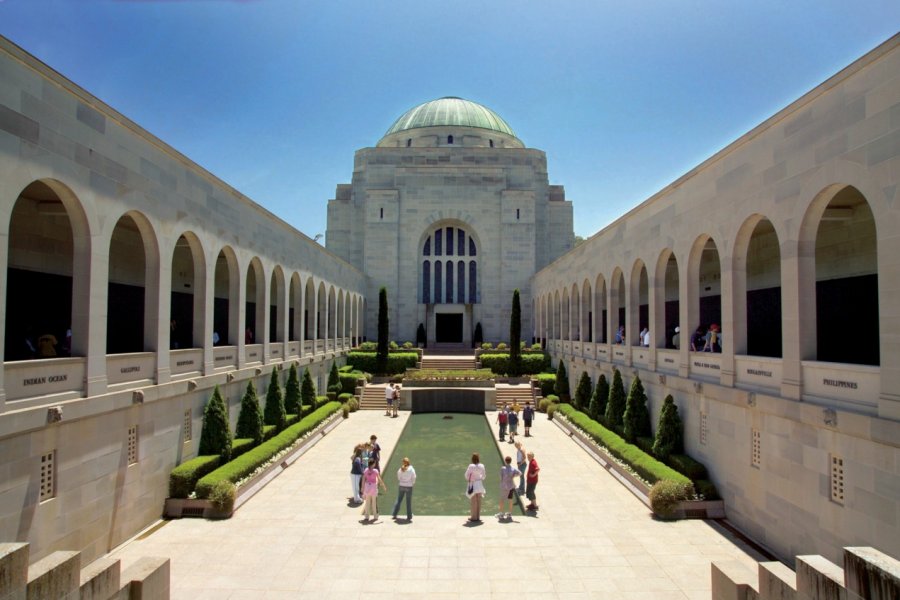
(57, 575)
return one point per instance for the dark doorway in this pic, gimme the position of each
(448, 328)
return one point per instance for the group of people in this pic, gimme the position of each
(391, 399)
(365, 480)
(702, 340)
(526, 470)
(508, 419)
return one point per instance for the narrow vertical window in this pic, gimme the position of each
(517, 214)
(132, 444)
(461, 282)
(837, 479)
(460, 242)
(473, 277)
(438, 277)
(471, 247)
(449, 282)
(426, 282)
(491, 142)
(449, 139)
(381, 213)
(48, 476)
(188, 426)
(409, 142)
(438, 239)
(449, 241)
(427, 250)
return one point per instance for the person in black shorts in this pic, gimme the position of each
(527, 418)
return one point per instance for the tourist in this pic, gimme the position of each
(47, 346)
(698, 339)
(364, 459)
(396, 399)
(248, 336)
(676, 339)
(356, 472)
(388, 400)
(531, 482)
(522, 464)
(513, 419)
(713, 340)
(620, 335)
(508, 473)
(375, 451)
(371, 481)
(475, 475)
(503, 419)
(645, 337)
(406, 479)
(527, 418)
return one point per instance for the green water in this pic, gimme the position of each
(440, 449)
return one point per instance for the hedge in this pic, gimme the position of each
(241, 446)
(687, 466)
(644, 465)
(548, 383)
(397, 362)
(348, 381)
(236, 470)
(499, 362)
(184, 477)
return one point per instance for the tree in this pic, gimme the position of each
(597, 409)
(292, 392)
(515, 336)
(636, 420)
(478, 336)
(615, 408)
(274, 412)
(215, 437)
(250, 423)
(334, 380)
(562, 382)
(421, 338)
(583, 392)
(669, 431)
(307, 393)
(381, 355)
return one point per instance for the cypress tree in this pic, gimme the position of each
(478, 336)
(308, 393)
(583, 392)
(636, 420)
(274, 412)
(381, 355)
(669, 431)
(292, 392)
(597, 409)
(615, 408)
(562, 382)
(334, 380)
(515, 336)
(215, 437)
(250, 423)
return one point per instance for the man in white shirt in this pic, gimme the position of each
(406, 479)
(389, 400)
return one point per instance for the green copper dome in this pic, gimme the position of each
(450, 111)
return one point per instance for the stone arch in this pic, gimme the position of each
(617, 306)
(601, 309)
(321, 313)
(639, 308)
(187, 301)
(331, 315)
(668, 292)
(566, 313)
(587, 312)
(295, 308)
(575, 318)
(255, 302)
(704, 285)
(310, 312)
(226, 286)
(756, 265)
(277, 321)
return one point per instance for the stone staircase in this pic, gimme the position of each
(60, 575)
(506, 394)
(372, 397)
(448, 362)
(867, 574)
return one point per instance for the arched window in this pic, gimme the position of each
(409, 142)
(449, 282)
(461, 282)
(427, 250)
(492, 143)
(449, 139)
(438, 238)
(449, 241)
(471, 247)
(460, 242)
(426, 282)
(473, 277)
(438, 280)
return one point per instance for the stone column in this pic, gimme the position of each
(207, 294)
(798, 326)
(729, 317)
(158, 314)
(90, 296)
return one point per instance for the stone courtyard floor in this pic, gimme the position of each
(299, 538)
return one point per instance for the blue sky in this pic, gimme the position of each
(275, 96)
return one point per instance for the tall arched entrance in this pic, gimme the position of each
(448, 283)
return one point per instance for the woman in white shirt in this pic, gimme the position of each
(475, 475)
(406, 479)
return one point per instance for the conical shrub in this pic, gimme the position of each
(562, 382)
(615, 407)
(215, 437)
(307, 393)
(292, 392)
(250, 423)
(669, 432)
(275, 413)
(636, 420)
(334, 380)
(597, 408)
(583, 392)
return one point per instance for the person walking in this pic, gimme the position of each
(388, 400)
(375, 451)
(513, 419)
(396, 399)
(531, 482)
(406, 479)
(508, 473)
(503, 419)
(371, 481)
(356, 472)
(527, 418)
(475, 475)
(522, 464)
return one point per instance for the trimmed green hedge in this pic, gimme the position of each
(348, 381)
(236, 470)
(644, 465)
(499, 362)
(184, 477)
(241, 446)
(397, 362)
(687, 466)
(548, 383)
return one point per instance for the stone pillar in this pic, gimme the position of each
(90, 296)
(4, 263)
(798, 323)
(158, 315)
(729, 317)
(207, 295)
(688, 314)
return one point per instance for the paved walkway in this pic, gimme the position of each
(298, 538)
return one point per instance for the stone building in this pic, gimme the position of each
(788, 241)
(451, 213)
